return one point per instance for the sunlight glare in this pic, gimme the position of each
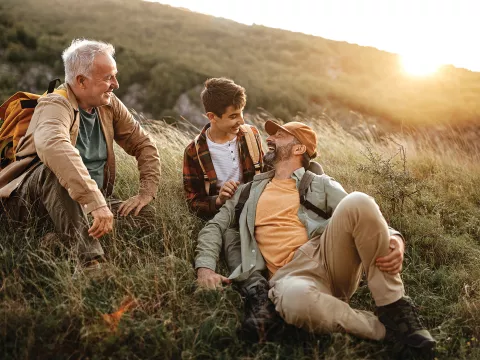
(419, 65)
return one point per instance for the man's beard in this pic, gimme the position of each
(281, 153)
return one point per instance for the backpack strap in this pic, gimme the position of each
(304, 185)
(52, 85)
(242, 200)
(252, 145)
(205, 176)
(30, 104)
(253, 150)
(302, 190)
(316, 168)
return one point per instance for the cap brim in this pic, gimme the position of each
(271, 127)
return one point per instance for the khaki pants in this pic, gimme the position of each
(312, 291)
(41, 198)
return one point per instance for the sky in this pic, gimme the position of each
(426, 33)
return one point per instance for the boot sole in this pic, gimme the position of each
(426, 344)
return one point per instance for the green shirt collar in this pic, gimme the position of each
(298, 174)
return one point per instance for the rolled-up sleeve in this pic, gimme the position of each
(136, 142)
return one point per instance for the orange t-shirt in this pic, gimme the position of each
(278, 230)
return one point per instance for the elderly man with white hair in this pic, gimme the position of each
(65, 164)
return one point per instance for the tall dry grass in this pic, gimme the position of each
(431, 196)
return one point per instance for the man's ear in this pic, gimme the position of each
(210, 116)
(299, 149)
(80, 81)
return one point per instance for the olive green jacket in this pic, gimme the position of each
(324, 192)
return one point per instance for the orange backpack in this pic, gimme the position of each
(15, 116)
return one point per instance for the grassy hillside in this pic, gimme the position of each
(167, 51)
(432, 197)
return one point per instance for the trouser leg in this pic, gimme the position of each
(233, 257)
(309, 304)
(308, 292)
(355, 237)
(261, 319)
(144, 221)
(41, 195)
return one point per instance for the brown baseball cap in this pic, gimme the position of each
(301, 131)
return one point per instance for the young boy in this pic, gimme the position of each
(219, 155)
(225, 154)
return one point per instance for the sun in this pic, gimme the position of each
(419, 65)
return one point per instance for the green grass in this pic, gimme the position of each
(45, 314)
(168, 51)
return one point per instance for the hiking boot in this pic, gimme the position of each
(402, 324)
(260, 315)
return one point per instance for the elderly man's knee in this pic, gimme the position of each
(148, 212)
(146, 217)
(144, 221)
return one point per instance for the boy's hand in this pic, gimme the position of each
(226, 192)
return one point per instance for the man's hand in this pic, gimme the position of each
(210, 279)
(136, 203)
(226, 192)
(393, 262)
(102, 222)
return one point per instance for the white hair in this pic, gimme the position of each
(79, 56)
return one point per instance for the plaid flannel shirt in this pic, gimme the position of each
(199, 201)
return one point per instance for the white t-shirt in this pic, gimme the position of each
(225, 158)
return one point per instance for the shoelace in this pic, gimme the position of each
(259, 296)
(409, 313)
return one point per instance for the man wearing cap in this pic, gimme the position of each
(315, 262)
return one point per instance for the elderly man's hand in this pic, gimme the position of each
(393, 262)
(210, 279)
(102, 222)
(135, 203)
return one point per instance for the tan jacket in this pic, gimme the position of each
(52, 135)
